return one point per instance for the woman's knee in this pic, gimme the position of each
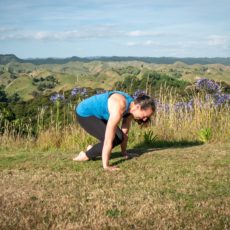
(118, 140)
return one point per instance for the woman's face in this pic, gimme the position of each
(142, 114)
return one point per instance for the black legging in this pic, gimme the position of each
(96, 127)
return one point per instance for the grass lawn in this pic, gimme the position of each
(167, 188)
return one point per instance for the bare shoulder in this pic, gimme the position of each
(117, 102)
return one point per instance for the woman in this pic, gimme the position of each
(100, 115)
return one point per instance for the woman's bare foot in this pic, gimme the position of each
(81, 157)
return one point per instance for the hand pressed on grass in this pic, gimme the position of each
(111, 168)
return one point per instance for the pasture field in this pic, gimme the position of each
(179, 187)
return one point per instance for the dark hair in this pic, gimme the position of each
(145, 102)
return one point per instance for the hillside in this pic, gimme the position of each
(29, 80)
(4, 59)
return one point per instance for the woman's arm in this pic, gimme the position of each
(109, 137)
(116, 107)
(126, 123)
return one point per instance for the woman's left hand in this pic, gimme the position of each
(126, 155)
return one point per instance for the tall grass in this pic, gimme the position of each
(16, 135)
(206, 123)
(183, 124)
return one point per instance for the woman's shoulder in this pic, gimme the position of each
(118, 97)
(118, 100)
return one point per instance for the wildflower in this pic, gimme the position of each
(166, 108)
(208, 97)
(162, 107)
(208, 85)
(220, 99)
(57, 97)
(182, 106)
(83, 91)
(191, 105)
(138, 93)
(75, 91)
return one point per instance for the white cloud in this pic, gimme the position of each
(150, 42)
(103, 31)
(132, 43)
(144, 43)
(138, 33)
(218, 40)
(106, 31)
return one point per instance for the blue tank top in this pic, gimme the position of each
(97, 105)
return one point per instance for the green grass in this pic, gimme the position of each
(177, 187)
(23, 86)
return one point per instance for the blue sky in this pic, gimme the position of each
(65, 28)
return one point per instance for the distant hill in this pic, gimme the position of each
(7, 58)
(31, 77)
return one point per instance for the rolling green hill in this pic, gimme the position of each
(20, 77)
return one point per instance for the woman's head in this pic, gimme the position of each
(144, 106)
(145, 102)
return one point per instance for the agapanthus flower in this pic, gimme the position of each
(78, 90)
(75, 91)
(185, 106)
(83, 91)
(178, 106)
(191, 105)
(56, 97)
(220, 99)
(137, 93)
(162, 107)
(208, 85)
(208, 97)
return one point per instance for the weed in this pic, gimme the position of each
(205, 134)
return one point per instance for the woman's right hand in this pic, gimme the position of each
(111, 168)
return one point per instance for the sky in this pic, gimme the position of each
(89, 28)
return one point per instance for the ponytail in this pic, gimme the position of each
(145, 102)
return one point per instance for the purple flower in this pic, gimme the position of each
(191, 105)
(220, 99)
(166, 108)
(162, 107)
(207, 85)
(208, 97)
(83, 91)
(56, 97)
(138, 93)
(181, 106)
(77, 90)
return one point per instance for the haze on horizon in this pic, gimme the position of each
(198, 28)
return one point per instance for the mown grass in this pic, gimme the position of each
(186, 187)
(173, 182)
